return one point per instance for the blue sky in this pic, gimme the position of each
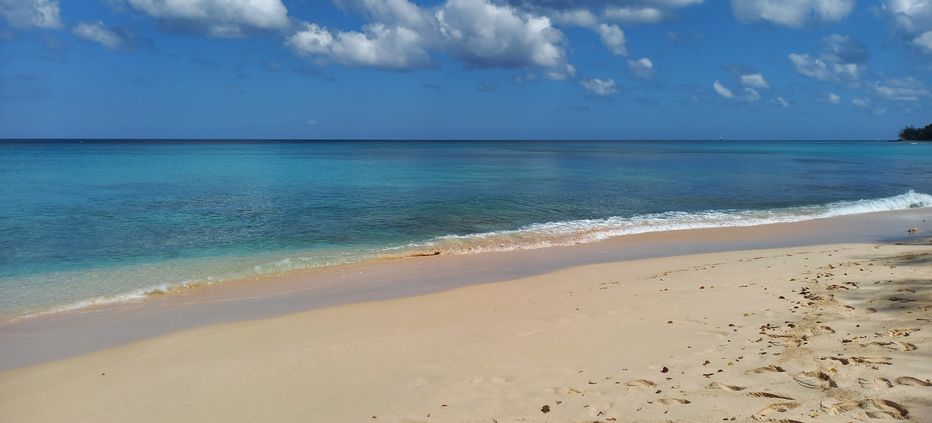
(464, 69)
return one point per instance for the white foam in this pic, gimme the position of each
(543, 235)
(533, 236)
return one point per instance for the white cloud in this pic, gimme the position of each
(722, 90)
(780, 101)
(842, 59)
(749, 95)
(838, 48)
(484, 34)
(910, 15)
(399, 12)
(512, 33)
(791, 13)
(557, 74)
(31, 13)
(98, 33)
(626, 14)
(613, 38)
(642, 68)
(861, 103)
(912, 20)
(577, 17)
(811, 67)
(377, 46)
(600, 87)
(832, 98)
(591, 12)
(924, 41)
(754, 80)
(901, 89)
(217, 18)
(480, 33)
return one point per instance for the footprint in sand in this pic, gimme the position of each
(674, 401)
(901, 331)
(842, 360)
(767, 369)
(724, 387)
(883, 409)
(834, 408)
(876, 383)
(872, 360)
(768, 395)
(779, 407)
(822, 330)
(911, 381)
(814, 380)
(642, 383)
(892, 345)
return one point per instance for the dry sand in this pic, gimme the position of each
(833, 333)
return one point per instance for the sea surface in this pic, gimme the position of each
(94, 221)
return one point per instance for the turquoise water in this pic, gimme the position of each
(101, 221)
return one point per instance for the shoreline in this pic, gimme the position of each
(66, 334)
(831, 332)
(529, 237)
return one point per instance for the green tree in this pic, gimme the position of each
(926, 133)
(909, 133)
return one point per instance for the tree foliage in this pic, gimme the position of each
(911, 133)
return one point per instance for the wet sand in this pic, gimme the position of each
(57, 336)
(832, 333)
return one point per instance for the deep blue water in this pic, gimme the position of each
(97, 219)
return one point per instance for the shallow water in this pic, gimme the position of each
(103, 221)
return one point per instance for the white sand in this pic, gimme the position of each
(833, 333)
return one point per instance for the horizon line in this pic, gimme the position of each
(84, 139)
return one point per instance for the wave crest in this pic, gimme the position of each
(541, 235)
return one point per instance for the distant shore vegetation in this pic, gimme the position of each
(912, 133)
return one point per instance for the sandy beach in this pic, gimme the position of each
(458, 211)
(834, 332)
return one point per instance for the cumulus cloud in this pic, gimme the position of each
(487, 35)
(832, 98)
(31, 13)
(377, 46)
(817, 68)
(97, 32)
(645, 11)
(861, 103)
(780, 101)
(490, 29)
(627, 14)
(600, 87)
(217, 18)
(480, 33)
(791, 13)
(754, 80)
(901, 89)
(912, 20)
(590, 12)
(838, 48)
(577, 17)
(842, 59)
(401, 12)
(749, 94)
(642, 68)
(722, 90)
(924, 41)
(613, 38)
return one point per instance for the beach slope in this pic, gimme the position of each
(824, 333)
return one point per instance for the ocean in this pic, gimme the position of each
(98, 221)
